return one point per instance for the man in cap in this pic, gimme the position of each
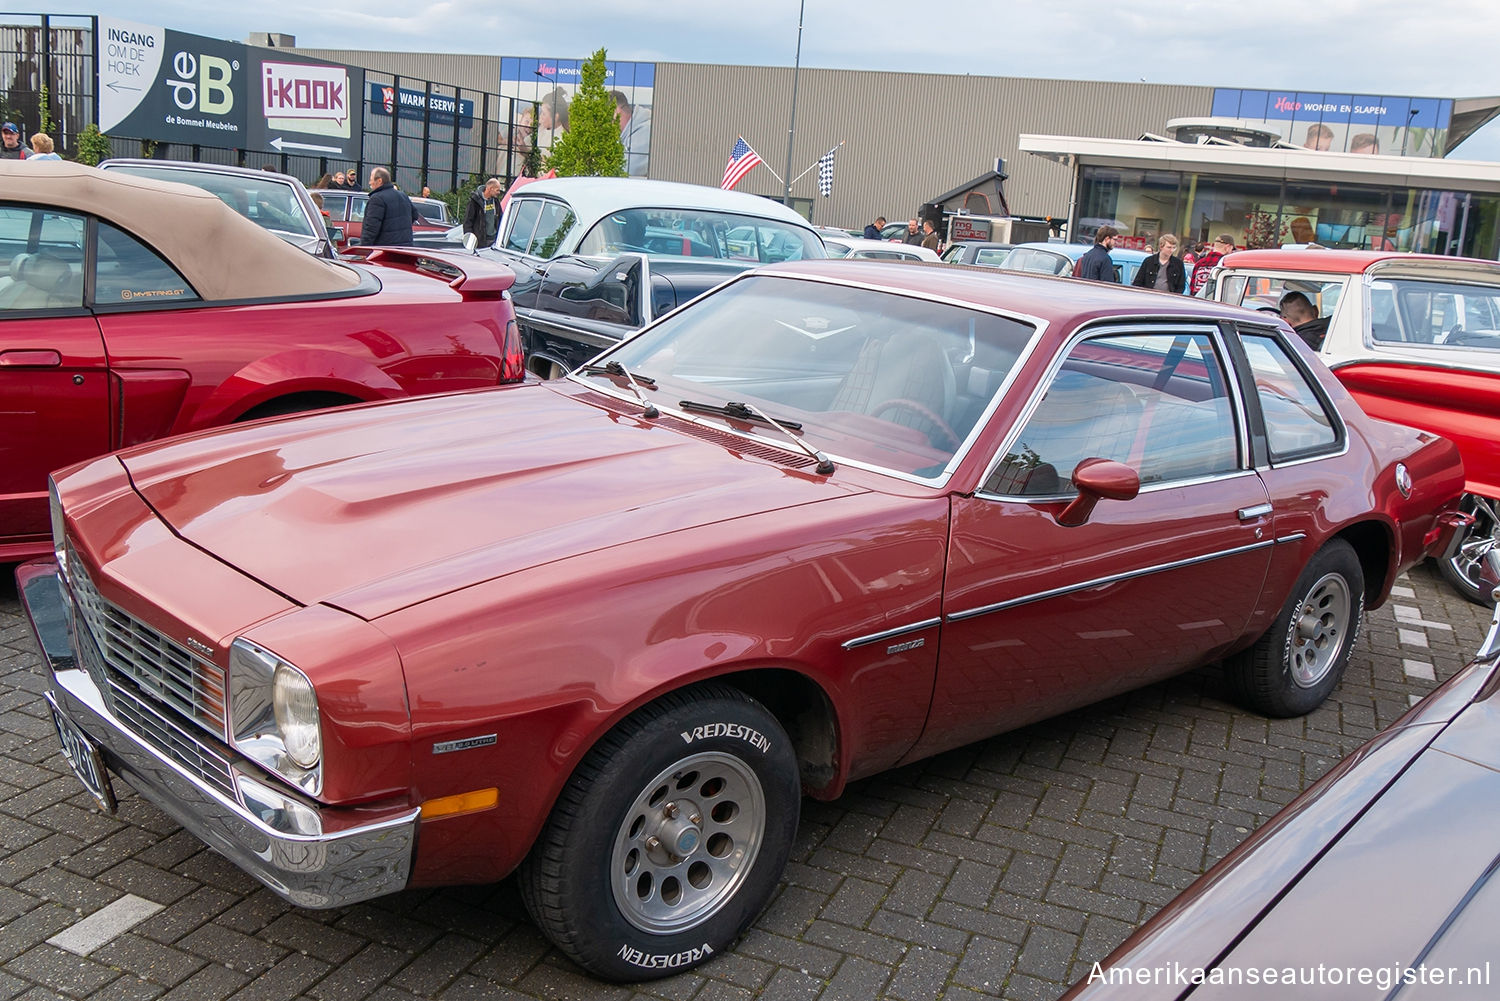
(11, 146)
(1205, 266)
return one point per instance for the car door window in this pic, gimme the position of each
(1264, 292)
(128, 271)
(1448, 314)
(1157, 402)
(991, 258)
(41, 259)
(522, 224)
(1299, 422)
(553, 223)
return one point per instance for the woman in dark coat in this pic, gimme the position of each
(1164, 271)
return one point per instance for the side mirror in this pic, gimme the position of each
(470, 242)
(1096, 480)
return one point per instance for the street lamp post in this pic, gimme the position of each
(791, 132)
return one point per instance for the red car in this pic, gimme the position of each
(131, 309)
(1415, 338)
(826, 519)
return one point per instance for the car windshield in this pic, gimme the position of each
(891, 381)
(268, 202)
(1408, 311)
(700, 233)
(432, 210)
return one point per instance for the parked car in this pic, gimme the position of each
(1306, 908)
(346, 210)
(854, 247)
(893, 231)
(434, 210)
(131, 309)
(1060, 259)
(989, 255)
(605, 630)
(1415, 338)
(597, 258)
(277, 203)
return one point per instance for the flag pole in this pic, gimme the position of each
(814, 163)
(791, 132)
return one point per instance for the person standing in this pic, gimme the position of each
(1208, 260)
(11, 146)
(41, 148)
(351, 180)
(482, 212)
(913, 233)
(1097, 265)
(388, 213)
(336, 181)
(930, 237)
(1164, 272)
(872, 229)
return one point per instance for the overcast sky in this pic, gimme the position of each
(1442, 48)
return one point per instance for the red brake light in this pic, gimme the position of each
(512, 362)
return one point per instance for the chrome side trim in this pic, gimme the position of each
(890, 633)
(1055, 592)
(1294, 537)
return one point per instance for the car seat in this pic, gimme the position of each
(905, 366)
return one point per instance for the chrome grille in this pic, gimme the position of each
(179, 745)
(141, 658)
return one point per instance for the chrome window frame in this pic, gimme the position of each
(1114, 326)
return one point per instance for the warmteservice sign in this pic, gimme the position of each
(170, 86)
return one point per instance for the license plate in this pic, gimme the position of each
(84, 756)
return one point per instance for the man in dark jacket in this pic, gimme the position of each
(1097, 265)
(13, 148)
(872, 230)
(1298, 310)
(388, 214)
(1164, 272)
(482, 212)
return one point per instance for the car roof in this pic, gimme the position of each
(202, 168)
(592, 198)
(1066, 302)
(1349, 261)
(222, 254)
(1077, 250)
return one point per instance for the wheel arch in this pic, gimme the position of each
(294, 372)
(1373, 543)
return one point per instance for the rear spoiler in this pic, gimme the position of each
(467, 274)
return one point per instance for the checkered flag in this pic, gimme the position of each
(825, 173)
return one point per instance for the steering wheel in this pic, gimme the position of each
(1454, 331)
(924, 412)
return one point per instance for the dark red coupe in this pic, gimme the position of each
(608, 630)
(132, 309)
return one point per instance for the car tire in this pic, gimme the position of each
(669, 838)
(1299, 661)
(1460, 565)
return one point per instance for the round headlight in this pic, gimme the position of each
(296, 707)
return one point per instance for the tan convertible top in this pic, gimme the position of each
(222, 254)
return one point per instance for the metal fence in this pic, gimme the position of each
(428, 133)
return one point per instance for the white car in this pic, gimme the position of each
(877, 250)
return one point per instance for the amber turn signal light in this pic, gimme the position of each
(464, 802)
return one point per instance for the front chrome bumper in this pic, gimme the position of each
(358, 854)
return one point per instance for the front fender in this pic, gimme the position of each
(301, 371)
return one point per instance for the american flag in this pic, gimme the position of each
(742, 160)
(825, 173)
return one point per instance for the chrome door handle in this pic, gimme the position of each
(1253, 512)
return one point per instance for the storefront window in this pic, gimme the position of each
(1138, 203)
(1341, 215)
(1245, 208)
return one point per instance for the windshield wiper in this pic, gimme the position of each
(619, 371)
(745, 412)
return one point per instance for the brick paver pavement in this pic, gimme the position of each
(1003, 869)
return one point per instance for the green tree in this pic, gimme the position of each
(93, 146)
(592, 146)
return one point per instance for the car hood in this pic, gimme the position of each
(371, 509)
(1411, 880)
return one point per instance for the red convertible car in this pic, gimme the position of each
(1415, 338)
(132, 309)
(606, 630)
